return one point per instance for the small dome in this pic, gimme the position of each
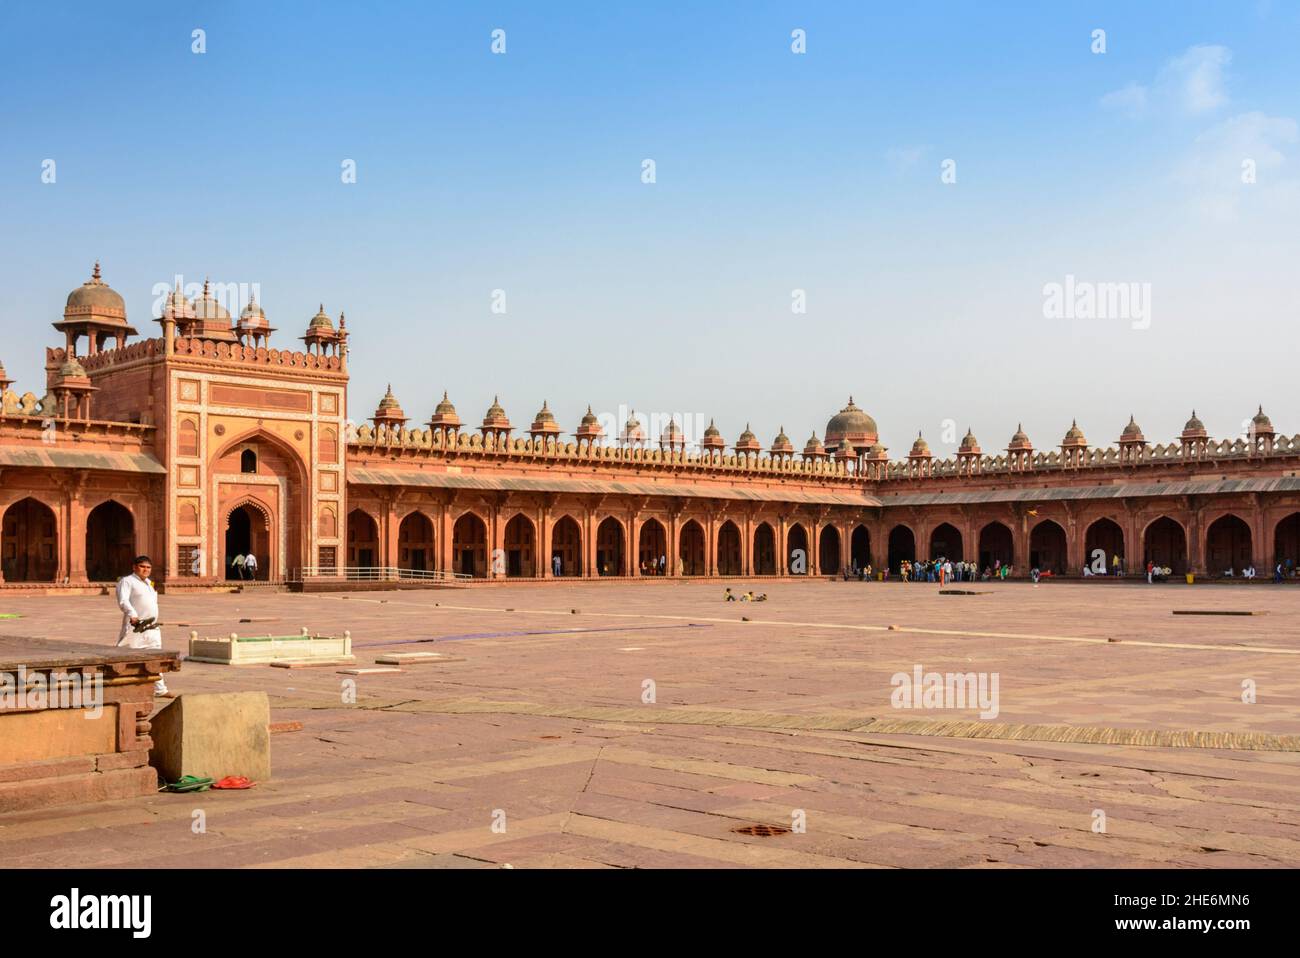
(846, 450)
(747, 442)
(321, 321)
(1020, 440)
(782, 443)
(712, 430)
(1132, 432)
(853, 424)
(589, 418)
(1260, 422)
(178, 307)
(544, 414)
(496, 416)
(747, 435)
(71, 369)
(97, 298)
(920, 447)
(252, 316)
(445, 407)
(632, 431)
(713, 438)
(878, 454)
(969, 443)
(389, 401)
(1074, 435)
(1194, 429)
(814, 447)
(672, 430)
(207, 309)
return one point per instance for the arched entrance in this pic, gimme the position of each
(729, 553)
(692, 549)
(1286, 542)
(110, 542)
(29, 550)
(566, 543)
(945, 542)
(363, 540)
(796, 547)
(520, 550)
(469, 546)
(248, 531)
(1228, 546)
(1105, 537)
(652, 549)
(996, 546)
(248, 469)
(828, 552)
(902, 547)
(860, 547)
(609, 548)
(1165, 543)
(764, 550)
(415, 543)
(1047, 548)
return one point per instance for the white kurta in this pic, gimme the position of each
(137, 598)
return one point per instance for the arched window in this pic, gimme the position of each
(248, 461)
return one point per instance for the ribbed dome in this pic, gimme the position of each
(813, 447)
(747, 435)
(321, 321)
(389, 401)
(589, 418)
(632, 431)
(1021, 439)
(1074, 435)
(672, 430)
(969, 443)
(97, 298)
(1260, 421)
(920, 447)
(544, 414)
(1132, 431)
(72, 369)
(496, 415)
(445, 407)
(178, 306)
(878, 453)
(252, 315)
(782, 442)
(712, 430)
(747, 442)
(1194, 428)
(853, 424)
(207, 309)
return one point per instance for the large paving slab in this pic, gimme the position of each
(651, 725)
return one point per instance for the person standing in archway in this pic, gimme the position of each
(138, 600)
(250, 565)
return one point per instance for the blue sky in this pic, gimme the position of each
(775, 172)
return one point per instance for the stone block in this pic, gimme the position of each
(213, 735)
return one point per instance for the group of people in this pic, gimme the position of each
(750, 596)
(245, 566)
(652, 566)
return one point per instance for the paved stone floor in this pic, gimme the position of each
(537, 721)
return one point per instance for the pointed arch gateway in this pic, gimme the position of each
(997, 546)
(796, 548)
(692, 549)
(521, 551)
(729, 549)
(764, 549)
(1164, 542)
(610, 554)
(248, 531)
(1228, 545)
(415, 545)
(566, 545)
(828, 552)
(1047, 548)
(1286, 543)
(265, 495)
(110, 541)
(652, 549)
(469, 546)
(902, 547)
(945, 542)
(29, 547)
(1103, 543)
(860, 547)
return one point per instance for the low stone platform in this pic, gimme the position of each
(74, 721)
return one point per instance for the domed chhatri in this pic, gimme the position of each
(969, 444)
(748, 443)
(444, 414)
(71, 369)
(672, 437)
(1132, 432)
(495, 417)
(920, 448)
(321, 321)
(853, 424)
(813, 448)
(1260, 424)
(589, 428)
(713, 441)
(1074, 437)
(1020, 441)
(389, 411)
(633, 434)
(5, 381)
(544, 423)
(1195, 429)
(97, 311)
(781, 445)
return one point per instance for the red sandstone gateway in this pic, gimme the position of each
(207, 445)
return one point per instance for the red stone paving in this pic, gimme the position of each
(411, 777)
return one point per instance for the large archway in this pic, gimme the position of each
(902, 547)
(415, 549)
(945, 542)
(29, 548)
(652, 549)
(860, 547)
(692, 549)
(469, 546)
(566, 545)
(1286, 542)
(997, 546)
(247, 532)
(1228, 546)
(828, 551)
(520, 549)
(796, 548)
(764, 550)
(249, 468)
(729, 549)
(609, 548)
(110, 541)
(1102, 544)
(1047, 548)
(1165, 543)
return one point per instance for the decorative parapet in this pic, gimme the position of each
(207, 349)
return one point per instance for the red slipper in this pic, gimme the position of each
(233, 781)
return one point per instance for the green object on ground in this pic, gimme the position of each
(10, 615)
(188, 783)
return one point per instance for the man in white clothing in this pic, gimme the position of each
(250, 565)
(138, 600)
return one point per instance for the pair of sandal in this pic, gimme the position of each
(193, 783)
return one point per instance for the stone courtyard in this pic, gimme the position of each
(654, 725)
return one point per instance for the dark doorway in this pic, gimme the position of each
(110, 542)
(30, 543)
(902, 547)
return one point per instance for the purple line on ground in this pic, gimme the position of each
(505, 635)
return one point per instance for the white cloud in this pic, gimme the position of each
(1193, 83)
(1214, 165)
(903, 158)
